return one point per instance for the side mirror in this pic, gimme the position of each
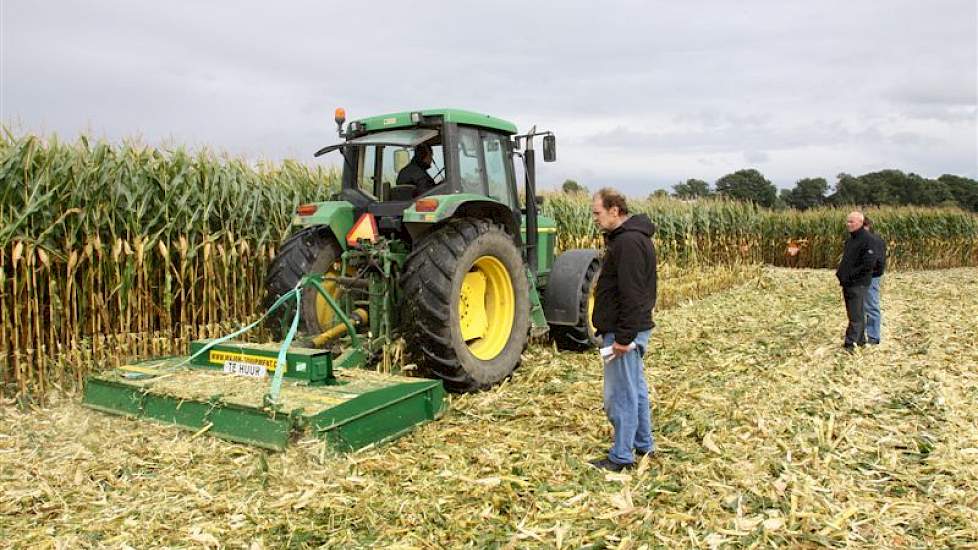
(538, 199)
(549, 148)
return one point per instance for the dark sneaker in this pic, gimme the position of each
(849, 348)
(874, 342)
(607, 464)
(641, 454)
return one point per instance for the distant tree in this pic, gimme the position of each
(659, 194)
(807, 193)
(692, 189)
(963, 190)
(849, 190)
(885, 187)
(748, 185)
(925, 192)
(571, 187)
(891, 187)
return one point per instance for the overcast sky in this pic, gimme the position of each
(641, 95)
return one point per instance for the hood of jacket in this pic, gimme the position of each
(638, 222)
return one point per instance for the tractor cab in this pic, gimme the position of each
(471, 154)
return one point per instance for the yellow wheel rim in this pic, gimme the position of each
(486, 308)
(325, 314)
(590, 309)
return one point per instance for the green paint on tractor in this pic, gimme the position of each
(456, 116)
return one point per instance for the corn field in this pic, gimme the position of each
(917, 238)
(711, 232)
(687, 234)
(113, 252)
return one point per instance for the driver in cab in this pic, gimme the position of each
(416, 171)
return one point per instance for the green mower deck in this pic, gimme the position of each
(349, 408)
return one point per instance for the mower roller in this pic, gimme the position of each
(453, 274)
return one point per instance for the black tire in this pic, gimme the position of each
(432, 286)
(580, 337)
(310, 250)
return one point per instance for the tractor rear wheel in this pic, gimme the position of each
(311, 250)
(466, 304)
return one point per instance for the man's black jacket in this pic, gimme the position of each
(416, 175)
(625, 294)
(858, 259)
(879, 248)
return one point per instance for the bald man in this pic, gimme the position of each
(855, 273)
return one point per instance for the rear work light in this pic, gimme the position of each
(306, 209)
(364, 230)
(426, 205)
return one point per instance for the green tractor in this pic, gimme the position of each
(428, 251)
(471, 262)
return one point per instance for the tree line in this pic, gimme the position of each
(882, 188)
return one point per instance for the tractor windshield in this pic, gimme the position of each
(378, 159)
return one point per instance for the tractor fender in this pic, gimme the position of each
(562, 297)
(460, 205)
(336, 215)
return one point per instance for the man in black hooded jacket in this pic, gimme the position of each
(855, 274)
(624, 299)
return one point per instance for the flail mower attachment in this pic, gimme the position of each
(269, 394)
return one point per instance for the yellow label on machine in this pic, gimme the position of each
(141, 369)
(220, 357)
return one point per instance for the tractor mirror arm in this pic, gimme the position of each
(342, 148)
(327, 149)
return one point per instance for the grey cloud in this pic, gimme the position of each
(756, 157)
(700, 84)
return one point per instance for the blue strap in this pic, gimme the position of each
(281, 300)
(284, 348)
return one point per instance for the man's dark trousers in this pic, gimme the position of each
(855, 298)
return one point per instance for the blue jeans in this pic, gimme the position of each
(874, 316)
(626, 401)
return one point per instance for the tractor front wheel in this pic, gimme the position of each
(466, 304)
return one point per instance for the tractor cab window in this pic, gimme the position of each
(395, 158)
(497, 176)
(365, 171)
(470, 161)
(378, 158)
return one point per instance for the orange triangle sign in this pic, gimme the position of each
(364, 229)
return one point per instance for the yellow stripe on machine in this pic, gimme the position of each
(141, 370)
(220, 357)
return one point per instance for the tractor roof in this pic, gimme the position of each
(458, 116)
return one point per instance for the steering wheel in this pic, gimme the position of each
(435, 177)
